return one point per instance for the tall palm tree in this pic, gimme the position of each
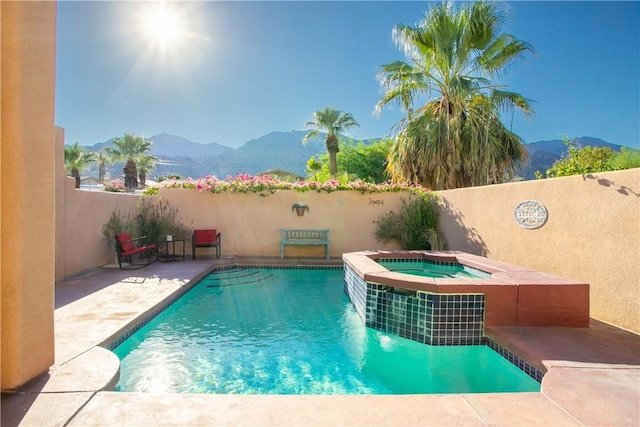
(132, 149)
(457, 138)
(76, 159)
(334, 122)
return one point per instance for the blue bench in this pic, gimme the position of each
(299, 237)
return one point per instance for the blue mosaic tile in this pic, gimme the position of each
(523, 365)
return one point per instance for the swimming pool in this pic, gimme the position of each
(293, 331)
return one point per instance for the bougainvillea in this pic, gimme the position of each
(115, 186)
(264, 185)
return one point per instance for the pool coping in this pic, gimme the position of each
(74, 390)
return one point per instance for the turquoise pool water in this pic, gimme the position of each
(273, 331)
(429, 269)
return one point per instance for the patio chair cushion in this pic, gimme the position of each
(205, 237)
(126, 244)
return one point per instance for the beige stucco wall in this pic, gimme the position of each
(250, 224)
(27, 189)
(81, 241)
(592, 234)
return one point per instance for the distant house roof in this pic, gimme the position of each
(89, 180)
(282, 175)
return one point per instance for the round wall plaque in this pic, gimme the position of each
(530, 214)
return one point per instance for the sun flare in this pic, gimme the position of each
(163, 25)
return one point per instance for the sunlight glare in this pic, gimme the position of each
(163, 26)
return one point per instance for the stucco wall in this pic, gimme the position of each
(250, 224)
(592, 234)
(27, 190)
(85, 212)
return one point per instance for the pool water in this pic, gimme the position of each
(430, 269)
(275, 331)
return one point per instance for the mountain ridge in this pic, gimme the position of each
(284, 150)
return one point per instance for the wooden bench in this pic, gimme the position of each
(304, 238)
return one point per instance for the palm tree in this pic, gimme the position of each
(103, 160)
(334, 122)
(313, 167)
(145, 163)
(132, 149)
(76, 159)
(457, 138)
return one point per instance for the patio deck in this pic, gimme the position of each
(593, 376)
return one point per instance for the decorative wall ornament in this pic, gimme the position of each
(299, 207)
(530, 214)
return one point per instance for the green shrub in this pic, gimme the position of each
(117, 223)
(151, 191)
(154, 219)
(415, 226)
(627, 158)
(157, 219)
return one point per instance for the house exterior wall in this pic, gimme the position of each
(27, 199)
(592, 234)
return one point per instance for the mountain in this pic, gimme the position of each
(285, 151)
(543, 154)
(168, 145)
(276, 150)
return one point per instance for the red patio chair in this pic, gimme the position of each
(132, 252)
(205, 239)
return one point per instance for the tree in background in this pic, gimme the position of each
(366, 162)
(145, 164)
(76, 159)
(103, 160)
(456, 139)
(627, 158)
(363, 162)
(583, 160)
(314, 166)
(132, 149)
(334, 122)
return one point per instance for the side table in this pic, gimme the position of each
(168, 250)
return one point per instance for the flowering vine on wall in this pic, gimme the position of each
(265, 185)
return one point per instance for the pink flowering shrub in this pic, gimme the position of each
(115, 186)
(264, 185)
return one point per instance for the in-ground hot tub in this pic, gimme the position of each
(454, 310)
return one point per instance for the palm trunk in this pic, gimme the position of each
(101, 172)
(76, 174)
(332, 148)
(333, 164)
(130, 175)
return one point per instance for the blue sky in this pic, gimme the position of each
(238, 70)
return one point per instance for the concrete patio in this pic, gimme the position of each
(593, 374)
